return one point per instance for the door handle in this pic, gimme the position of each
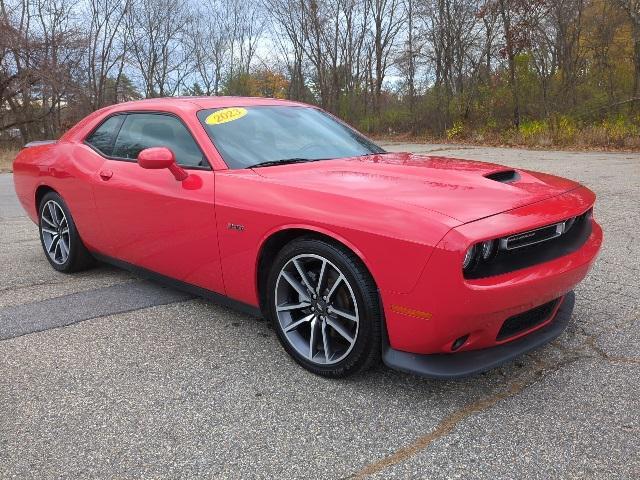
(105, 174)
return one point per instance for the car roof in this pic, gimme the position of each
(199, 103)
(177, 105)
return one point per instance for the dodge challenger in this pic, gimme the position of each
(440, 267)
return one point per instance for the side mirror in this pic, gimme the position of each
(161, 157)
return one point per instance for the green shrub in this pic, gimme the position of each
(533, 129)
(619, 129)
(456, 130)
(563, 130)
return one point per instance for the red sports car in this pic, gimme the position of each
(440, 267)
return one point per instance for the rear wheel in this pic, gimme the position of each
(59, 237)
(325, 309)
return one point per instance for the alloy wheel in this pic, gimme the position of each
(55, 232)
(316, 309)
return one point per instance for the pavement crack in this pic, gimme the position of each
(591, 342)
(542, 369)
(441, 430)
(29, 285)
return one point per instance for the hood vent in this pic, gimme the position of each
(503, 176)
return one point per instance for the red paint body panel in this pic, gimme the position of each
(479, 307)
(409, 218)
(153, 221)
(452, 187)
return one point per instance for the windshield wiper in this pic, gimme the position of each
(284, 161)
(375, 153)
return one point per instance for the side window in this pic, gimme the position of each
(102, 137)
(145, 130)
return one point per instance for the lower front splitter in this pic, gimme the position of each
(463, 364)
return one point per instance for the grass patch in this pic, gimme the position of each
(6, 159)
(562, 133)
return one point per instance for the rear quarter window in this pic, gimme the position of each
(103, 137)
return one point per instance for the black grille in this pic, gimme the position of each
(527, 320)
(535, 236)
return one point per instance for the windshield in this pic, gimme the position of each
(248, 136)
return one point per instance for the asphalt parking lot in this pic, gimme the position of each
(105, 375)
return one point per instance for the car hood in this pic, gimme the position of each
(464, 190)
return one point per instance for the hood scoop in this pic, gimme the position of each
(503, 176)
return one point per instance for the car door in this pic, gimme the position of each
(150, 219)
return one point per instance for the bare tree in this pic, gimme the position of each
(456, 41)
(632, 9)
(488, 14)
(352, 45)
(156, 37)
(387, 21)
(411, 53)
(106, 40)
(40, 64)
(545, 59)
(289, 31)
(429, 62)
(519, 18)
(244, 23)
(210, 46)
(567, 19)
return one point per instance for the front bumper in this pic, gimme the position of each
(444, 307)
(447, 366)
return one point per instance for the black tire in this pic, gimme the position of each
(365, 350)
(78, 257)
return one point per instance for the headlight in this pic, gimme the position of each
(469, 258)
(483, 251)
(500, 255)
(489, 249)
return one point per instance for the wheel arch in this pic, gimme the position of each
(274, 241)
(40, 192)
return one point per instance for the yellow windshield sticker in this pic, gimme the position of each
(225, 115)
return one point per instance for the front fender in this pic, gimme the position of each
(394, 242)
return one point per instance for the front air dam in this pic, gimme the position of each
(457, 365)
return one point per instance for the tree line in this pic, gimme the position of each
(541, 70)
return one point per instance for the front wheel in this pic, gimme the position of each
(59, 237)
(325, 309)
